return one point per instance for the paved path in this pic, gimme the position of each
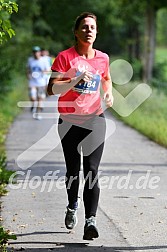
(133, 203)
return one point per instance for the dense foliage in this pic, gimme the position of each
(121, 24)
(6, 9)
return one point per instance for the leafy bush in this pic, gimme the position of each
(137, 69)
(4, 174)
(159, 70)
(5, 235)
(160, 76)
(6, 9)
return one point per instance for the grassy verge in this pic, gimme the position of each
(150, 118)
(9, 111)
(160, 54)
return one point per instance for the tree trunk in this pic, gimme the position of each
(133, 46)
(137, 43)
(149, 49)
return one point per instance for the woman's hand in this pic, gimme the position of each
(108, 98)
(85, 76)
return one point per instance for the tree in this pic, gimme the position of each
(6, 9)
(150, 37)
(134, 11)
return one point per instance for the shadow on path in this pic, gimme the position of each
(71, 246)
(63, 247)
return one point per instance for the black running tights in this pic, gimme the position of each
(88, 139)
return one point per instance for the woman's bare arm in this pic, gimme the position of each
(107, 88)
(59, 84)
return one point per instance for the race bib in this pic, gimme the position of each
(88, 87)
(36, 69)
(36, 72)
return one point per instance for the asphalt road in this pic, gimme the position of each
(133, 203)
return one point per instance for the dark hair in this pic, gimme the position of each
(81, 17)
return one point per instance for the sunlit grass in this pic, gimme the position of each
(8, 112)
(160, 57)
(160, 54)
(9, 109)
(150, 118)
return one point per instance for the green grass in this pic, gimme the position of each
(160, 57)
(4, 175)
(9, 109)
(150, 118)
(160, 54)
(8, 112)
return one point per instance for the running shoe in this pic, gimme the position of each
(90, 229)
(37, 116)
(33, 109)
(71, 218)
